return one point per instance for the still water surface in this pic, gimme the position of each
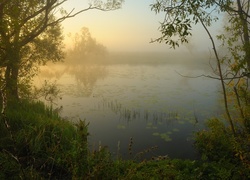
(150, 103)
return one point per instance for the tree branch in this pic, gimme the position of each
(212, 77)
(50, 6)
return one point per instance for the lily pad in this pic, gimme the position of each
(120, 126)
(176, 130)
(156, 134)
(181, 122)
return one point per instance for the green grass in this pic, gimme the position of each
(36, 143)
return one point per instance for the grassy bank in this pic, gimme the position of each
(36, 143)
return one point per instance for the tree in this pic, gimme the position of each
(181, 15)
(86, 48)
(30, 34)
(176, 27)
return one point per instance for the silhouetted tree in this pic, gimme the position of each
(30, 34)
(86, 48)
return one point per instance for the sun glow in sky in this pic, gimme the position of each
(130, 28)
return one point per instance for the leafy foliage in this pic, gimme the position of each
(180, 16)
(219, 146)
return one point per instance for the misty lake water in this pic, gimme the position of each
(145, 99)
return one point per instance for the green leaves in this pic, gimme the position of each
(180, 16)
(164, 136)
(108, 5)
(179, 28)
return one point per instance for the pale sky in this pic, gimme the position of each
(127, 29)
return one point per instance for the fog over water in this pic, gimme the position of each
(142, 96)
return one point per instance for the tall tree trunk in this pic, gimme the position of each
(11, 74)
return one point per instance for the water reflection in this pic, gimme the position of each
(80, 78)
(144, 100)
(86, 77)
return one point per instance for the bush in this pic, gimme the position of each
(37, 141)
(224, 155)
(216, 143)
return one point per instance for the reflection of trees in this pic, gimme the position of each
(86, 77)
(82, 62)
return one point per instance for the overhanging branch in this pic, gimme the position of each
(213, 77)
(47, 9)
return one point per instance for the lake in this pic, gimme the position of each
(135, 102)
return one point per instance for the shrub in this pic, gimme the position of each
(216, 142)
(224, 155)
(37, 141)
